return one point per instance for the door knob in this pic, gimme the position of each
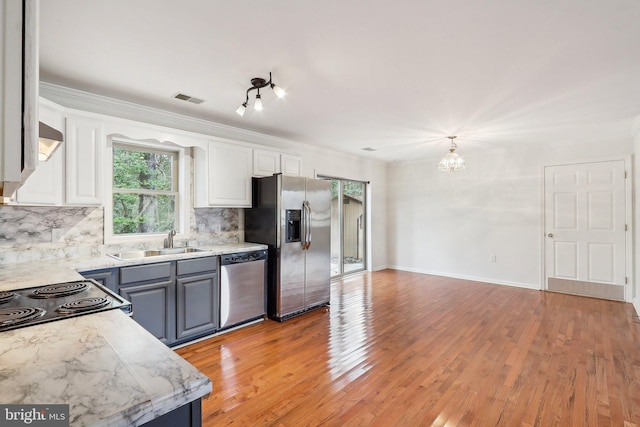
(550, 234)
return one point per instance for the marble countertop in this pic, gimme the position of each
(109, 369)
(105, 366)
(50, 271)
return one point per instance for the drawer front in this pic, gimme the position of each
(140, 273)
(106, 278)
(197, 265)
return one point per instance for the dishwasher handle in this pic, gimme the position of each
(237, 258)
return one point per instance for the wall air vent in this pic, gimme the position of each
(369, 149)
(188, 98)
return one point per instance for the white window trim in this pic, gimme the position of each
(183, 202)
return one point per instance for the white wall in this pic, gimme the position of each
(636, 225)
(449, 224)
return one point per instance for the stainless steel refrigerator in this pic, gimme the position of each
(292, 215)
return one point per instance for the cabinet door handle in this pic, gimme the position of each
(550, 234)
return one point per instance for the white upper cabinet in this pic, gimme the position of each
(267, 162)
(222, 175)
(18, 93)
(291, 164)
(45, 185)
(84, 160)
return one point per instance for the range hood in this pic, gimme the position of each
(49, 139)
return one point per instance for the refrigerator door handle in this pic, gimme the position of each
(309, 236)
(303, 227)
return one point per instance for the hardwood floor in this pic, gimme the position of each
(404, 349)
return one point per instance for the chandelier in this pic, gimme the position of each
(258, 83)
(452, 162)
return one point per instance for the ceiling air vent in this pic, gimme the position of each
(188, 98)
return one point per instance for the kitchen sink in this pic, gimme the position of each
(154, 252)
(173, 251)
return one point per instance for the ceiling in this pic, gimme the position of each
(394, 76)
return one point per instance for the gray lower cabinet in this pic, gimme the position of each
(176, 301)
(151, 290)
(197, 298)
(189, 415)
(153, 308)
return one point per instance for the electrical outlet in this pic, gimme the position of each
(57, 235)
(492, 257)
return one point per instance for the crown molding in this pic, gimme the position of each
(90, 102)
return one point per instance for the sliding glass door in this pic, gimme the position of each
(348, 226)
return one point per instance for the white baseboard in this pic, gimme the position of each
(636, 305)
(465, 277)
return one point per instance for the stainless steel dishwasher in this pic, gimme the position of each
(242, 287)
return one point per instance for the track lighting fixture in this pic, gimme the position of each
(258, 83)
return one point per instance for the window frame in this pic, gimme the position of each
(180, 182)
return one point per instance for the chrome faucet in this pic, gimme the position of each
(169, 242)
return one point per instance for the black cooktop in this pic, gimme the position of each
(40, 304)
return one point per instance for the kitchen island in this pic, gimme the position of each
(105, 366)
(108, 369)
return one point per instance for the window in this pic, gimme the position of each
(145, 190)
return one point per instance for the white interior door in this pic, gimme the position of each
(585, 229)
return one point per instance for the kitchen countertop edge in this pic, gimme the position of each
(50, 271)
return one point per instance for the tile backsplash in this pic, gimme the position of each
(25, 232)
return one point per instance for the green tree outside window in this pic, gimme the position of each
(144, 190)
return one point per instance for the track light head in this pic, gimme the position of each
(277, 90)
(241, 109)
